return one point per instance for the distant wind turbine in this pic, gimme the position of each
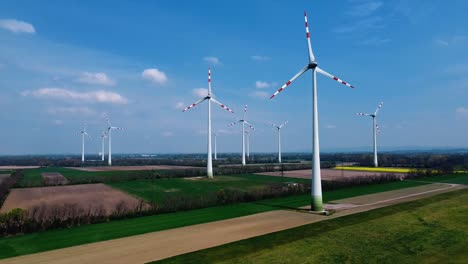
(83, 134)
(316, 193)
(279, 138)
(375, 129)
(209, 163)
(103, 136)
(243, 121)
(109, 134)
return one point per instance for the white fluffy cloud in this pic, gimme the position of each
(462, 111)
(155, 76)
(200, 92)
(17, 26)
(180, 105)
(262, 84)
(98, 78)
(260, 58)
(94, 96)
(212, 60)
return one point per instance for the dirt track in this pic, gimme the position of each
(327, 174)
(164, 244)
(133, 168)
(94, 197)
(54, 178)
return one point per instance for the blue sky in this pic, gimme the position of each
(65, 63)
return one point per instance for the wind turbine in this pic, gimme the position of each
(109, 133)
(376, 130)
(103, 136)
(83, 134)
(316, 192)
(209, 163)
(215, 147)
(243, 121)
(279, 138)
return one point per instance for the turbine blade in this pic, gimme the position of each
(290, 81)
(311, 54)
(209, 81)
(378, 128)
(378, 108)
(107, 120)
(362, 114)
(223, 106)
(194, 104)
(248, 123)
(233, 123)
(333, 77)
(283, 124)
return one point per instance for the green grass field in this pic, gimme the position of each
(373, 169)
(49, 240)
(457, 178)
(431, 230)
(159, 189)
(33, 177)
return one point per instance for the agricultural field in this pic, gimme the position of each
(54, 178)
(133, 168)
(55, 239)
(328, 174)
(4, 176)
(158, 190)
(430, 230)
(93, 198)
(373, 169)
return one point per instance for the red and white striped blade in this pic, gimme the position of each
(233, 123)
(311, 54)
(250, 125)
(209, 81)
(378, 108)
(333, 77)
(107, 119)
(290, 81)
(378, 128)
(193, 105)
(283, 124)
(223, 106)
(362, 114)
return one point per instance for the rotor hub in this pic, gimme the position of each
(312, 65)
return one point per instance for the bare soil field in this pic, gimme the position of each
(133, 168)
(54, 178)
(168, 243)
(94, 198)
(3, 176)
(327, 174)
(18, 167)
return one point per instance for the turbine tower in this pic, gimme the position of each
(316, 192)
(103, 136)
(209, 97)
(215, 147)
(83, 134)
(109, 133)
(279, 138)
(243, 121)
(375, 130)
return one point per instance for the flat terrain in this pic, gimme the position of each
(54, 178)
(56, 239)
(13, 167)
(133, 168)
(328, 174)
(430, 230)
(3, 176)
(378, 169)
(92, 197)
(160, 245)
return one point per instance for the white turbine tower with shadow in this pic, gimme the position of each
(279, 138)
(109, 134)
(316, 192)
(103, 137)
(209, 98)
(83, 134)
(244, 122)
(375, 130)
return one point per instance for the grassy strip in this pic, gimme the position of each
(373, 169)
(457, 178)
(431, 230)
(44, 241)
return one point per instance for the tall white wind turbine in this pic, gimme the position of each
(215, 147)
(109, 134)
(279, 138)
(316, 192)
(243, 121)
(83, 134)
(209, 97)
(103, 137)
(375, 130)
